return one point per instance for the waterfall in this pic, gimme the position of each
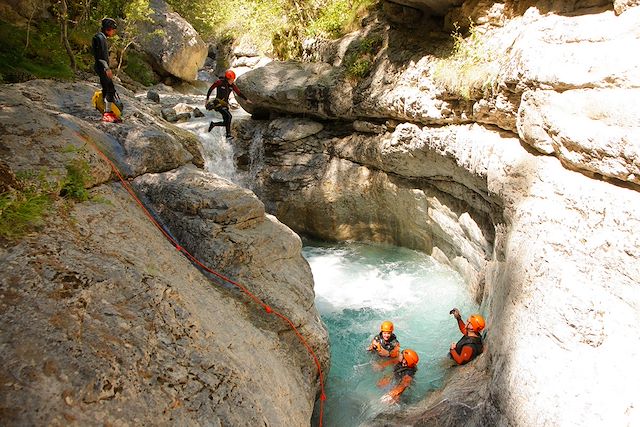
(217, 150)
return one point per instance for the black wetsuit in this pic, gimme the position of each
(474, 342)
(221, 103)
(101, 56)
(400, 371)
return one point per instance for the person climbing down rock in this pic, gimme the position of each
(403, 373)
(224, 86)
(470, 345)
(101, 56)
(385, 343)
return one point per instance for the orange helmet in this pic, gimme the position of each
(229, 74)
(386, 326)
(411, 357)
(477, 322)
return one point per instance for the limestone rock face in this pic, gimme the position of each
(104, 321)
(371, 188)
(314, 88)
(172, 43)
(532, 53)
(255, 249)
(621, 5)
(589, 130)
(528, 188)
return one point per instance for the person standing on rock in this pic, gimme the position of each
(224, 85)
(470, 345)
(403, 372)
(101, 67)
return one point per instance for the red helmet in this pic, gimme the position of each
(386, 326)
(477, 322)
(229, 74)
(411, 357)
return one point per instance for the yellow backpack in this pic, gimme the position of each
(98, 103)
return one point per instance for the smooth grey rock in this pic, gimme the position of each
(178, 49)
(153, 96)
(170, 115)
(134, 333)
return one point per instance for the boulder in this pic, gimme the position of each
(153, 96)
(172, 44)
(316, 89)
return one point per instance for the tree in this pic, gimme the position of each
(136, 12)
(32, 6)
(62, 12)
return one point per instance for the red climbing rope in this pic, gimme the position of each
(191, 257)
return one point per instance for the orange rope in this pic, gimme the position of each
(187, 254)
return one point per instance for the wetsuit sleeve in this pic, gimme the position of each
(237, 92)
(462, 326)
(465, 355)
(385, 363)
(100, 52)
(213, 86)
(402, 385)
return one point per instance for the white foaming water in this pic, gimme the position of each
(217, 150)
(358, 286)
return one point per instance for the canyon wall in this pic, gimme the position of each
(525, 181)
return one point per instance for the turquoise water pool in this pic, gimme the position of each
(358, 286)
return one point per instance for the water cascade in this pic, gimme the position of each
(218, 151)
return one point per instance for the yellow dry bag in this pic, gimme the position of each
(98, 103)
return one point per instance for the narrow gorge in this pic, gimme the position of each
(520, 170)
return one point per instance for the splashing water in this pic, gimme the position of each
(217, 150)
(358, 286)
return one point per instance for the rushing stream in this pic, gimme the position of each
(358, 286)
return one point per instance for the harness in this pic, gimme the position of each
(474, 342)
(387, 345)
(400, 371)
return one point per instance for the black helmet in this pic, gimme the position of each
(109, 23)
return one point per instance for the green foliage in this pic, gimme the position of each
(470, 69)
(73, 186)
(139, 70)
(44, 57)
(337, 17)
(23, 209)
(359, 61)
(273, 26)
(287, 43)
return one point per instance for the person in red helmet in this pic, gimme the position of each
(470, 345)
(101, 56)
(385, 343)
(224, 86)
(402, 376)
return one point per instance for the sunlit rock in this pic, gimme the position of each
(172, 43)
